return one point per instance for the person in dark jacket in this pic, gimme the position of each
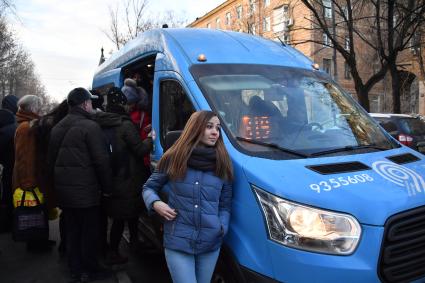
(7, 159)
(196, 172)
(78, 152)
(127, 151)
(10, 102)
(42, 128)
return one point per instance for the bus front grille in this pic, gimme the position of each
(402, 257)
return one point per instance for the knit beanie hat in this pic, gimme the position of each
(115, 97)
(10, 102)
(130, 91)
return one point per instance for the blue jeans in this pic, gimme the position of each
(188, 268)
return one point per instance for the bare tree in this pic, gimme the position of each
(376, 31)
(129, 20)
(398, 24)
(17, 71)
(343, 38)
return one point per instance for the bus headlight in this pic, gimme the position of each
(307, 228)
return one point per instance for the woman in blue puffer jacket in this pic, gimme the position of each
(197, 173)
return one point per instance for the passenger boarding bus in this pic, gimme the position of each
(321, 193)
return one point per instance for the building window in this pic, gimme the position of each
(345, 11)
(266, 3)
(209, 25)
(327, 8)
(327, 65)
(326, 40)
(347, 73)
(228, 18)
(415, 42)
(252, 6)
(347, 43)
(251, 28)
(239, 12)
(266, 24)
(286, 39)
(280, 18)
(217, 23)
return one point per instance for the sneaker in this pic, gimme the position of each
(114, 258)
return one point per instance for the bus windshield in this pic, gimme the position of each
(297, 112)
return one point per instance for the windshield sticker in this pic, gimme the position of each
(334, 183)
(401, 176)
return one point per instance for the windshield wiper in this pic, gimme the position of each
(273, 145)
(349, 148)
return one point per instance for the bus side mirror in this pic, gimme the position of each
(170, 138)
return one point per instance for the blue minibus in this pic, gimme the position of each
(321, 192)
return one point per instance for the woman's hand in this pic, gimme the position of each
(164, 210)
(148, 128)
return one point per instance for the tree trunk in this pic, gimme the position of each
(395, 85)
(363, 97)
(361, 91)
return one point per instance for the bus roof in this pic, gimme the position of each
(219, 47)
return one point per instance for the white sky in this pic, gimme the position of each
(64, 37)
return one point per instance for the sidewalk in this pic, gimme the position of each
(19, 266)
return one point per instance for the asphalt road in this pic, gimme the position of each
(20, 266)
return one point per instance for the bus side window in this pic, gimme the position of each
(175, 108)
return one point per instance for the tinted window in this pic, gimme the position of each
(412, 126)
(175, 107)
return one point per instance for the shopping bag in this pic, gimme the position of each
(30, 222)
(29, 199)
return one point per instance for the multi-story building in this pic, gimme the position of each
(290, 22)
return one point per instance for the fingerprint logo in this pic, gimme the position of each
(401, 176)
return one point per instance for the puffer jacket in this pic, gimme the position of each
(203, 203)
(127, 156)
(79, 154)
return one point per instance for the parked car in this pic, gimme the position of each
(407, 129)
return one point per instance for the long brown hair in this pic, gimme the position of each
(174, 160)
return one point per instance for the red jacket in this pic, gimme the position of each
(141, 119)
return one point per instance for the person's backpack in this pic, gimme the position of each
(118, 160)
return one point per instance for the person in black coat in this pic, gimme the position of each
(10, 102)
(127, 151)
(7, 133)
(82, 173)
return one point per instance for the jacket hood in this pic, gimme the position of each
(23, 116)
(6, 118)
(10, 102)
(107, 119)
